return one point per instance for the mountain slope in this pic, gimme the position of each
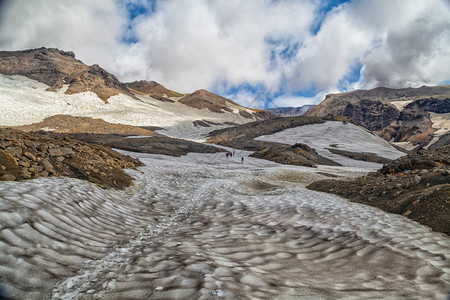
(151, 88)
(412, 117)
(39, 83)
(55, 68)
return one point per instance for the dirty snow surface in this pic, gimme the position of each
(24, 101)
(207, 227)
(338, 135)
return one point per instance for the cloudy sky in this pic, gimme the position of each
(258, 52)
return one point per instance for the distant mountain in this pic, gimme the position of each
(411, 117)
(53, 82)
(290, 111)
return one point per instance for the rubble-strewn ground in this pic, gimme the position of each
(416, 186)
(27, 155)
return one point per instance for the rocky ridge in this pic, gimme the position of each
(151, 88)
(56, 68)
(397, 115)
(29, 155)
(416, 186)
(242, 137)
(71, 124)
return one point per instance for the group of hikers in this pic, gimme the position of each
(233, 153)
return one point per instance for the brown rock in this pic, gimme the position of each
(11, 158)
(56, 151)
(8, 177)
(24, 163)
(30, 156)
(16, 151)
(43, 174)
(60, 158)
(46, 164)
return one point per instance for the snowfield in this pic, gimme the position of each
(189, 231)
(25, 101)
(338, 135)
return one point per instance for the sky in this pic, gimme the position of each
(260, 53)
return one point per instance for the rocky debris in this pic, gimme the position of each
(397, 115)
(242, 137)
(155, 145)
(30, 155)
(298, 154)
(71, 124)
(152, 88)
(370, 157)
(416, 186)
(55, 68)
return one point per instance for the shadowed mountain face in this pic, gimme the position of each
(397, 115)
(56, 68)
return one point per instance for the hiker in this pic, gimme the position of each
(233, 153)
(227, 154)
(242, 159)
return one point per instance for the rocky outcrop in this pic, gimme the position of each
(242, 137)
(55, 68)
(71, 124)
(155, 145)
(151, 88)
(416, 186)
(397, 115)
(27, 156)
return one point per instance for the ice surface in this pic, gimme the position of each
(204, 226)
(343, 136)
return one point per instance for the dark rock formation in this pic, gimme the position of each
(27, 156)
(376, 110)
(416, 186)
(242, 137)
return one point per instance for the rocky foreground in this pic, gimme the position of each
(416, 186)
(28, 155)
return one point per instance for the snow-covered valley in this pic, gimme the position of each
(204, 226)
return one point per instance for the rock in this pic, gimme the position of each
(56, 151)
(42, 148)
(16, 151)
(25, 164)
(46, 164)
(8, 177)
(30, 156)
(60, 158)
(417, 179)
(25, 174)
(43, 174)
(2, 167)
(11, 158)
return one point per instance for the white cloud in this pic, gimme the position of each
(192, 44)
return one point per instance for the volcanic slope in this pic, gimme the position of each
(39, 83)
(309, 141)
(411, 117)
